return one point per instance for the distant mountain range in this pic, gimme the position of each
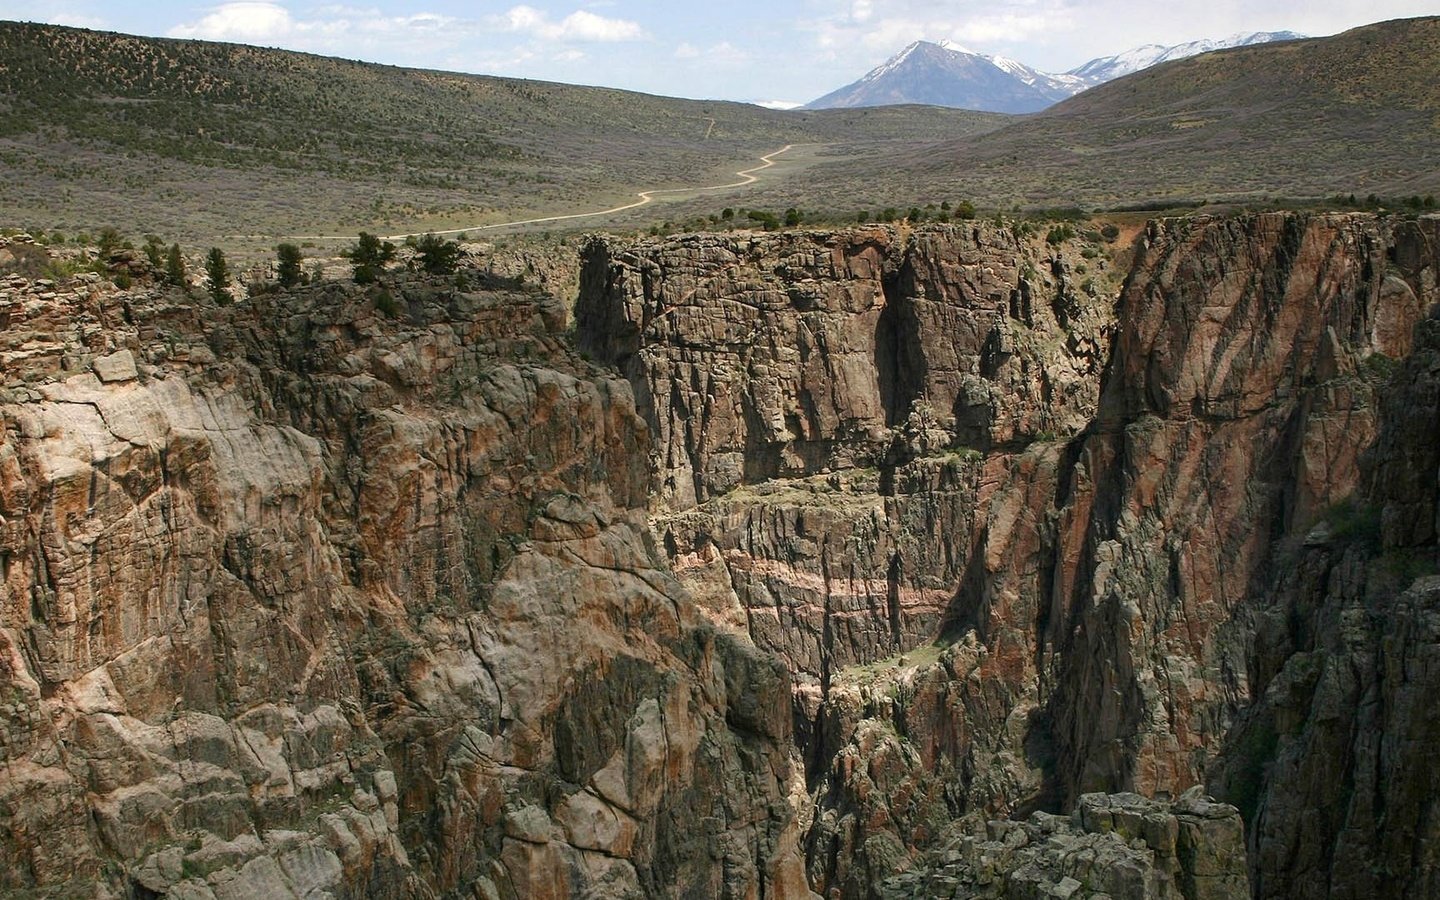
(946, 74)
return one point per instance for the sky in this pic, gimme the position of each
(778, 52)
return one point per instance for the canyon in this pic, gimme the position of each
(962, 560)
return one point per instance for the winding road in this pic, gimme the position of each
(747, 176)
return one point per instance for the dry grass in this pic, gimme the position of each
(1358, 113)
(237, 145)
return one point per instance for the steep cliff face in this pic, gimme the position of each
(1019, 540)
(300, 598)
(887, 547)
(822, 405)
(1335, 761)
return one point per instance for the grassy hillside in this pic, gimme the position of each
(203, 141)
(1355, 113)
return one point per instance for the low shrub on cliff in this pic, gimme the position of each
(386, 303)
(1059, 234)
(1354, 522)
(765, 220)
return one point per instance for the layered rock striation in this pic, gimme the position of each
(1023, 534)
(301, 599)
(961, 561)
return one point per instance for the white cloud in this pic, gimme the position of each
(779, 104)
(856, 30)
(243, 21)
(1013, 27)
(417, 38)
(78, 20)
(581, 25)
(722, 54)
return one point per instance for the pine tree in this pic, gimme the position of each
(369, 256)
(219, 274)
(287, 268)
(175, 266)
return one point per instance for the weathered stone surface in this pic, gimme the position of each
(117, 366)
(312, 602)
(849, 419)
(1120, 846)
(1335, 763)
(885, 538)
(821, 403)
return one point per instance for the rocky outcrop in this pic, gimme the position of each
(299, 599)
(1120, 846)
(1021, 541)
(882, 536)
(822, 403)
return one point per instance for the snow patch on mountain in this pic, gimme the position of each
(947, 74)
(1107, 68)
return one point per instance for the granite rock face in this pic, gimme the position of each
(892, 562)
(1023, 534)
(1335, 762)
(300, 600)
(823, 405)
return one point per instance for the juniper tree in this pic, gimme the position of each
(437, 255)
(154, 251)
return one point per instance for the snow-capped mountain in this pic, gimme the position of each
(1063, 85)
(1098, 71)
(947, 74)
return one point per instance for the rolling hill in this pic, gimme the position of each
(206, 141)
(1355, 113)
(238, 146)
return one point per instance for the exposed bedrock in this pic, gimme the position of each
(936, 562)
(1022, 534)
(827, 407)
(302, 600)
(1121, 846)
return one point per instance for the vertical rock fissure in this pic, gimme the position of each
(894, 337)
(892, 595)
(827, 632)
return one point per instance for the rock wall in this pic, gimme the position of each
(300, 599)
(823, 404)
(881, 536)
(1019, 540)
(1335, 762)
